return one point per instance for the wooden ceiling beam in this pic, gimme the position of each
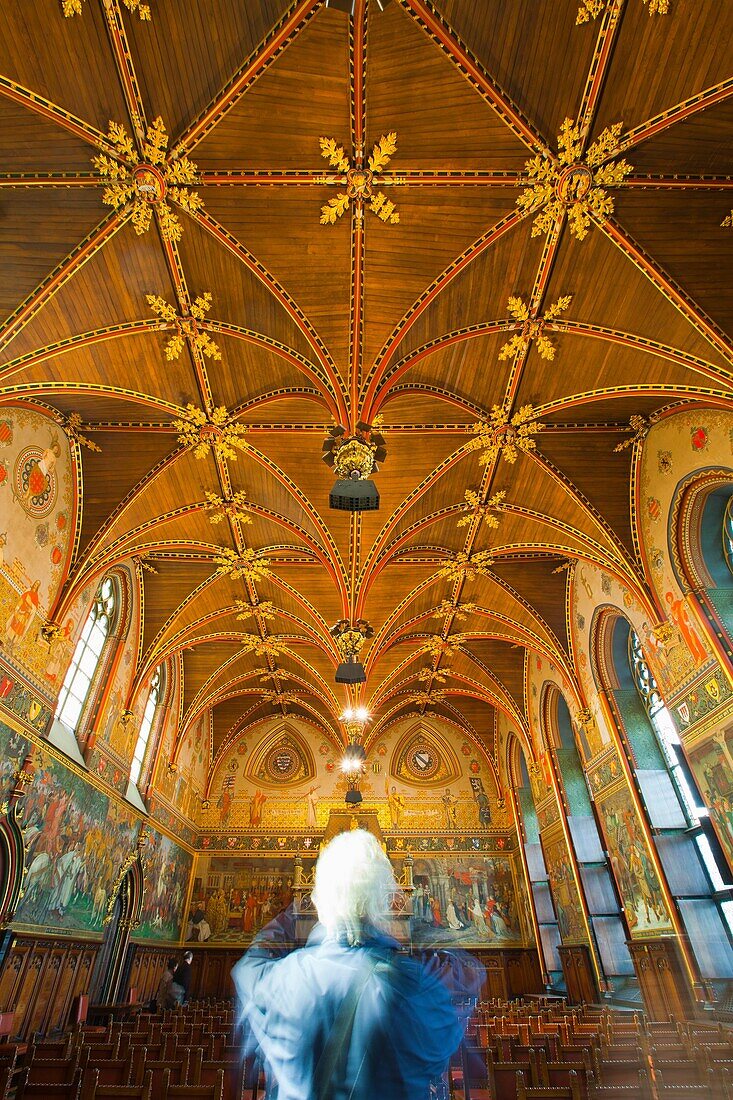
(49, 179)
(58, 115)
(126, 70)
(411, 177)
(718, 93)
(87, 389)
(600, 62)
(292, 23)
(443, 35)
(659, 181)
(60, 275)
(664, 283)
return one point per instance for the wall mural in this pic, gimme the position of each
(413, 781)
(632, 867)
(76, 839)
(36, 498)
(167, 875)
(233, 898)
(464, 900)
(564, 890)
(712, 766)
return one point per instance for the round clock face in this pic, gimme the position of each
(422, 762)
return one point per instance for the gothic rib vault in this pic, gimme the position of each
(228, 227)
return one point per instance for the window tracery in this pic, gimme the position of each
(88, 653)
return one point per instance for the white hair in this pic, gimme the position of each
(355, 885)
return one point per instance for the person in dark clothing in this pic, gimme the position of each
(352, 1016)
(182, 979)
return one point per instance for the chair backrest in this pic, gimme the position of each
(193, 1092)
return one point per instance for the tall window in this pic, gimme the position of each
(728, 534)
(694, 809)
(146, 726)
(87, 655)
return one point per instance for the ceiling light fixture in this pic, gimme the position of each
(354, 458)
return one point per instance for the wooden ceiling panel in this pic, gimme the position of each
(109, 289)
(504, 662)
(470, 370)
(525, 46)
(458, 130)
(305, 409)
(268, 128)
(539, 585)
(257, 480)
(701, 145)
(436, 226)
(112, 473)
(609, 290)
(245, 371)
(281, 226)
(696, 258)
(409, 407)
(36, 235)
(36, 144)
(166, 589)
(680, 58)
(68, 61)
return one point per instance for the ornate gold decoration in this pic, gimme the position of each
(264, 647)
(146, 566)
(356, 455)
(591, 9)
(48, 632)
(186, 326)
(117, 885)
(282, 696)
(71, 425)
(126, 716)
(361, 182)
(505, 435)
(266, 609)
(639, 427)
(148, 182)
(443, 647)
(271, 673)
(233, 507)
(430, 673)
(727, 223)
(245, 563)
(426, 698)
(472, 506)
(459, 610)
(533, 328)
(350, 639)
(73, 7)
(565, 566)
(210, 431)
(467, 566)
(573, 185)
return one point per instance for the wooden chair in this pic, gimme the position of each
(193, 1092)
(545, 1092)
(52, 1071)
(93, 1089)
(70, 1090)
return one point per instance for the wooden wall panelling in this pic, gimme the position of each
(41, 978)
(146, 969)
(663, 979)
(580, 977)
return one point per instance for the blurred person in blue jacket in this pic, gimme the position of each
(352, 1015)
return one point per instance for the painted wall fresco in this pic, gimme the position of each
(36, 505)
(712, 765)
(14, 748)
(77, 839)
(167, 876)
(419, 779)
(633, 870)
(465, 900)
(565, 896)
(237, 897)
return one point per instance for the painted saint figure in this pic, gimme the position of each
(449, 805)
(22, 615)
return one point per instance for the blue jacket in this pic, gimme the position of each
(405, 1029)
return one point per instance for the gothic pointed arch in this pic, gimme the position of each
(423, 757)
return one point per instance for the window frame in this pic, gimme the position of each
(107, 607)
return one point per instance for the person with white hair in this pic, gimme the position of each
(352, 1015)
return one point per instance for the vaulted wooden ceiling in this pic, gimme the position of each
(408, 320)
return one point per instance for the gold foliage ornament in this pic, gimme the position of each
(186, 326)
(533, 328)
(71, 425)
(264, 647)
(472, 507)
(504, 435)
(467, 566)
(73, 7)
(233, 507)
(245, 563)
(426, 698)
(432, 674)
(573, 184)
(205, 432)
(591, 9)
(727, 222)
(443, 647)
(356, 456)
(458, 610)
(148, 182)
(350, 639)
(265, 610)
(639, 428)
(361, 182)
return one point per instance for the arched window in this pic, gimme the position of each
(728, 534)
(88, 653)
(155, 698)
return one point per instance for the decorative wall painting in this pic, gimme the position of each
(464, 901)
(712, 766)
(167, 873)
(233, 898)
(564, 892)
